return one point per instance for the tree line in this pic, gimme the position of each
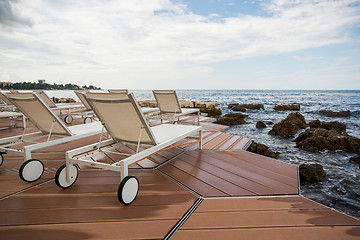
(46, 86)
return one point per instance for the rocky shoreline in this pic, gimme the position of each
(317, 136)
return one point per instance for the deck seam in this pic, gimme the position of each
(183, 219)
(24, 190)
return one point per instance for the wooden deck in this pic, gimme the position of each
(235, 173)
(279, 218)
(222, 192)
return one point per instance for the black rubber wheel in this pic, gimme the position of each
(68, 119)
(128, 190)
(87, 120)
(60, 176)
(31, 170)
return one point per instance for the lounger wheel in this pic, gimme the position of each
(31, 170)
(60, 176)
(87, 120)
(1, 159)
(68, 119)
(128, 190)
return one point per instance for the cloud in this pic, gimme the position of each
(9, 16)
(307, 58)
(157, 39)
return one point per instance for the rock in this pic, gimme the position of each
(243, 107)
(270, 123)
(355, 159)
(320, 139)
(289, 126)
(64, 100)
(148, 103)
(329, 113)
(311, 172)
(340, 127)
(211, 108)
(260, 124)
(186, 104)
(262, 149)
(287, 107)
(231, 119)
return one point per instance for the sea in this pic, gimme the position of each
(340, 189)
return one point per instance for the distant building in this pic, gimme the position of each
(41, 81)
(6, 84)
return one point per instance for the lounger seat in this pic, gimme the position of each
(52, 132)
(169, 106)
(125, 122)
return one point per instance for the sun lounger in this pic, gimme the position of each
(5, 103)
(169, 106)
(70, 108)
(13, 116)
(127, 126)
(52, 132)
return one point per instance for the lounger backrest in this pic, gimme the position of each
(45, 98)
(84, 101)
(4, 98)
(122, 117)
(118, 91)
(167, 101)
(34, 108)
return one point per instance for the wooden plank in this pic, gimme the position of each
(284, 172)
(97, 230)
(194, 184)
(228, 187)
(279, 183)
(92, 202)
(267, 218)
(258, 203)
(279, 233)
(229, 142)
(229, 173)
(258, 160)
(216, 141)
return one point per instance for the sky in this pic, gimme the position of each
(182, 44)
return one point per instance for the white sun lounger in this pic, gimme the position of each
(12, 116)
(5, 103)
(127, 126)
(52, 132)
(169, 106)
(69, 108)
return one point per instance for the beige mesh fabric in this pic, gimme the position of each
(45, 98)
(167, 101)
(122, 117)
(5, 99)
(118, 91)
(38, 112)
(84, 101)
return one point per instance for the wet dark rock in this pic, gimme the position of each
(337, 126)
(329, 113)
(231, 119)
(270, 123)
(243, 107)
(311, 172)
(260, 124)
(289, 126)
(355, 159)
(287, 107)
(262, 149)
(320, 139)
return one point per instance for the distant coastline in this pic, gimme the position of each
(43, 86)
